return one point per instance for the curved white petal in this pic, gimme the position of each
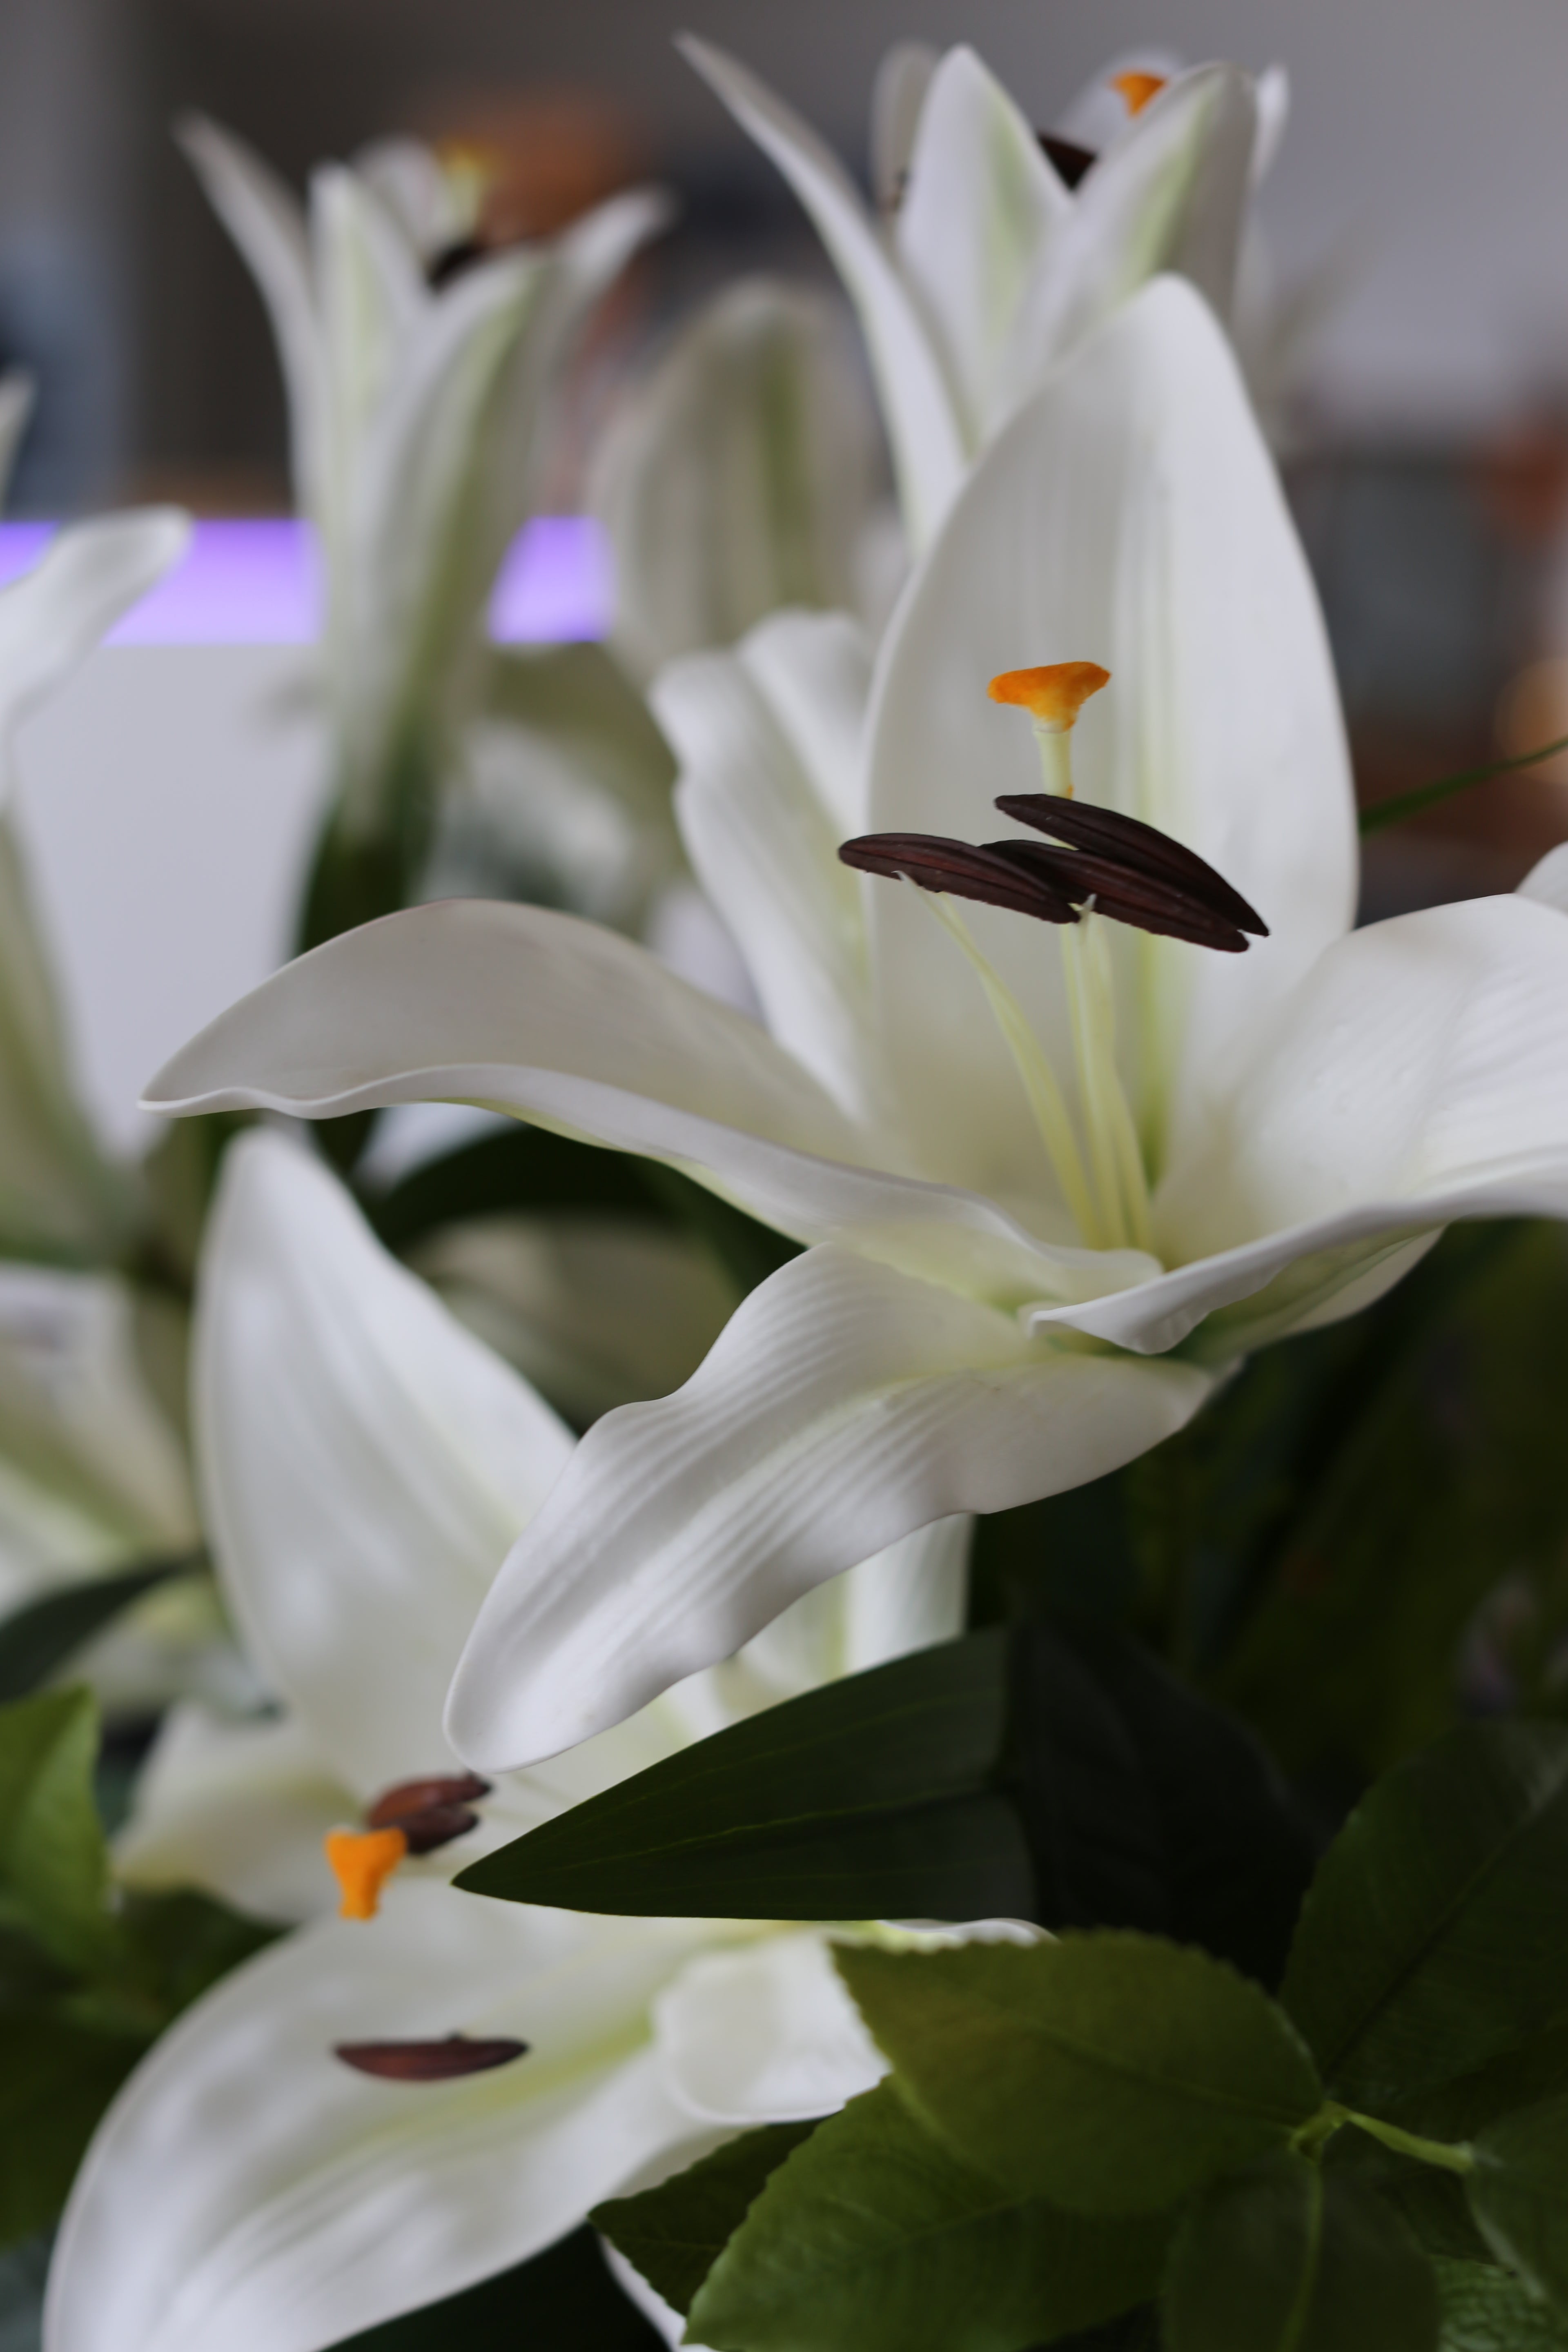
(1130, 515)
(409, 181)
(1548, 880)
(52, 617)
(366, 1462)
(898, 95)
(845, 1406)
(764, 2034)
(929, 456)
(248, 2189)
(980, 221)
(267, 223)
(1272, 93)
(239, 1808)
(768, 737)
(572, 1026)
(1420, 1073)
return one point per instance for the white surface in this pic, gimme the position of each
(168, 802)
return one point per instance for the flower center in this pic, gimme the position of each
(414, 1817)
(1115, 868)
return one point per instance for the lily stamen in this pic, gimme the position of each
(1137, 90)
(1052, 694)
(430, 2062)
(413, 1817)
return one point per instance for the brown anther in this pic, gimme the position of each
(1136, 848)
(429, 2062)
(1126, 897)
(958, 870)
(1070, 160)
(430, 1812)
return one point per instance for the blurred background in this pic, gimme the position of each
(1417, 241)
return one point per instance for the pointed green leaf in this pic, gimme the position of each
(874, 2237)
(1287, 2258)
(53, 1865)
(36, 1640)
(1107, 2073)
(868, 1799)
(1518, 2195)
(1486, 2310)
(1434, 1934)
(675, 2233)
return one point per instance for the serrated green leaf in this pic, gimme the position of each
(1518, 2195)
(1486, 2310)
(874, 2237)
(53, 1864)
(675, 2233)
(1108, 2074)
(56, 2080)
(1284, 2257)
(36, 1640)
(1433, 1935)
(868, 1799)
(563, 2300)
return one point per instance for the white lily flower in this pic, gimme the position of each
(416, 410)
(992, 259)
(366, 1462)
(738, 476)
(1267, 1140)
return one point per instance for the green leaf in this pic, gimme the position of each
(520, 1170)
(1485, 2310)
(675, 2233)
(180, 1943)
(1434, 1934)
(1518, 2195)
(867, 1799)
(563, 2300)
(36, 1640)
(1107, 2073)
(873, 2237)
(53, 1865)
(1287, 2258)
(56, 2080)
(1397, 806)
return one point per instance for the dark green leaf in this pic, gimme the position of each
(564, 2300)
(56, 2080)
(1518, 2195)
(748, 1252)
(873, 2237)
(1434, 1934)
(865, 1800)
(1286, 2258)
(674, 2234)
(1485, 2310)
(1084, 1799)
(180, 1943)
(36, 1640)
(53, 1868)
(1237, 1858)
(1106, 2072)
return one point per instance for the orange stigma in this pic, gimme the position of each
(1053, 695)
(1137, 88)
(361, 1862)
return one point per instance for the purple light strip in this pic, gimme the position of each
(252, 582)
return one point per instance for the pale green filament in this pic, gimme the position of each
(1055, 746)
(1046, 1097)
(1086, 954)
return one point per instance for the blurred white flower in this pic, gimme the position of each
(365, 1464)
(997, 249)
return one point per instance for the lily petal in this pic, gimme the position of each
(929, 456)
(578, 1029)
(1548, 880)
(1129, 515)
(980, 221)
(241, 1807)
(267, 223)
(248, 2189)
(1420, 1075)
(54, 615)
(768, 737)
(844, 1406)
(17, 393)
(765, 2034)
(359, 1518)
